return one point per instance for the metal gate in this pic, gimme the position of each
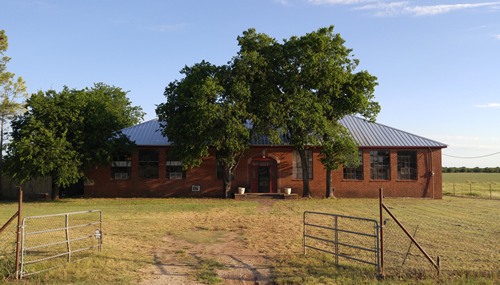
(51, 241)
(345, 237)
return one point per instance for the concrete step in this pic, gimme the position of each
(251, 196)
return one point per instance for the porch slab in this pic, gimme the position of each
(251, 196)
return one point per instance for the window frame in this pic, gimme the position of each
(409, 158)
(121, 166)
(174, 170)
(380, 165)
(148, 164)
(352, 173)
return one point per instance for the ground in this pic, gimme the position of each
(176, 261)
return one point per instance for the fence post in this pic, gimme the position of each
(381, 203)
(490, 192)
(336, 240)
(304, 232)
(454, 189)
(68, 245)
(18, 238)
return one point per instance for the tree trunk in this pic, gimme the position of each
(226, 178)
(54, 194)
(305, 173)
(329, 185)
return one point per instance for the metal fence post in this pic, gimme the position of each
(18, 238)
(336, 218)
(381, 203)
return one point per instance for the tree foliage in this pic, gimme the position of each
(63, 133)
(302, 87)
(12, 96)
(207, 109)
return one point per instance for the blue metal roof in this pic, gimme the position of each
(147, 134)
(365, 133)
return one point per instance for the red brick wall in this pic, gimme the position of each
(205, 176)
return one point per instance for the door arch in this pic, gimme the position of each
(263, 175)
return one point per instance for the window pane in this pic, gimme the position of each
(148, 164)
(407, 165)
(121, 169)
(380, 167)
(354, 172)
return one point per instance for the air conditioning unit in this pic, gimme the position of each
(195, 188)
(175, 175)
(121, 176)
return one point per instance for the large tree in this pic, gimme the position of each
(12, 96)
(302, 87)
(207, 109)
(63, 133)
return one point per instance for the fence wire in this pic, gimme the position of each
(465, 246)
(8, 250)
(401, 256)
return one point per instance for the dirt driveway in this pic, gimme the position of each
(178, 260)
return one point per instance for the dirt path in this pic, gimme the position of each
(177, 261)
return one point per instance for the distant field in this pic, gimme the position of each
(485, 185)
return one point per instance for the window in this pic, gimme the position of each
(121, 169)
(407, 165)
(297, 165)
(380, 166)
(175, 170)
(148, 164)
(352, 172)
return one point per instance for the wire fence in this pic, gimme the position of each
(479, 190)
(468, 245)
(7, 250)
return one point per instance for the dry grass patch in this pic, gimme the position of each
(148, 240)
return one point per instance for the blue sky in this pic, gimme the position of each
(437, 62)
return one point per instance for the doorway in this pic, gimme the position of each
(263, 175)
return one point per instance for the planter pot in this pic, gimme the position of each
(288, 191)
(241, 190)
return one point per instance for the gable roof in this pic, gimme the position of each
(365, 133)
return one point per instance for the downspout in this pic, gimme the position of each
(431, 173)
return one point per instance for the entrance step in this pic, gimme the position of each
(252, 196)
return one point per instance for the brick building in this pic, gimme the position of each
(405, 165)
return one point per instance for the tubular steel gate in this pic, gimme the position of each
(351, 238)
(51, 241)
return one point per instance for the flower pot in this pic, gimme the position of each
(288, 191)
(241, 190)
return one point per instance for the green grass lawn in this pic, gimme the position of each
(463, 232)
(485, 185)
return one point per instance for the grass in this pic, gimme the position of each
(463, 232)
(485, 185)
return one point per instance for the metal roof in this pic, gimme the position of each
(146, 133)
(365, 133)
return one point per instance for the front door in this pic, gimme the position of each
(264, 179)
(263, 175)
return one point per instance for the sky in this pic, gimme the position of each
(437, 62)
